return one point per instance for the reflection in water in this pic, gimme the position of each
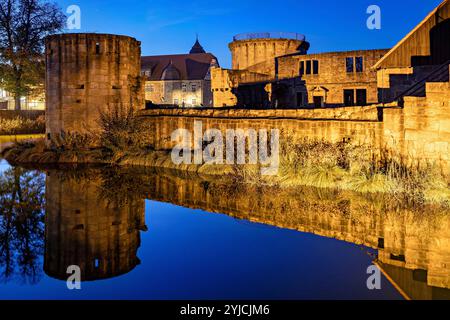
(413, 244)
(94, 218)
(91, 225)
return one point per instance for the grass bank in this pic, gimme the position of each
(20, 125)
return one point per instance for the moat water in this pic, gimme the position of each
(147, 234)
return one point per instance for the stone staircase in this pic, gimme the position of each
(439, 74)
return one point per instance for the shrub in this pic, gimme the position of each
(123, 133)
(71, 147)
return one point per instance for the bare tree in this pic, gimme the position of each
(23, 26)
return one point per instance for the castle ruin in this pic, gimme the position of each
(87, 74)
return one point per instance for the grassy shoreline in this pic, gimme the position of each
(297, 169)
(22, 126)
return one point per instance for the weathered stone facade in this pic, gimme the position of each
(327, 87)
(276, 73)
(253, 63)
(87, 74)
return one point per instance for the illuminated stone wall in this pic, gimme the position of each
(221, 86)
(418, 132)
(362, 126)
(421, 130)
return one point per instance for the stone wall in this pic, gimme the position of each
(358, 124)
(221, 86)
(419, 132)
(88, 73)
(154, 92)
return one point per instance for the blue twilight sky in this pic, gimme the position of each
(167, 27)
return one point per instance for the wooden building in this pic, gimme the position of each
(421, 56)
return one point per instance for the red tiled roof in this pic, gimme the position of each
(190, 66)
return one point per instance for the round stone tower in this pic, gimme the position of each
(89, 73)
(251, 49)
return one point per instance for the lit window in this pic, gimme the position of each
(194, 87)
(194, 102)
(149, 88)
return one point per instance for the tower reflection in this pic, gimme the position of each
(87, 229)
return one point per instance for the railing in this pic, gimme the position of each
(269, 35)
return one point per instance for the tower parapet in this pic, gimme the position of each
(250, 49)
